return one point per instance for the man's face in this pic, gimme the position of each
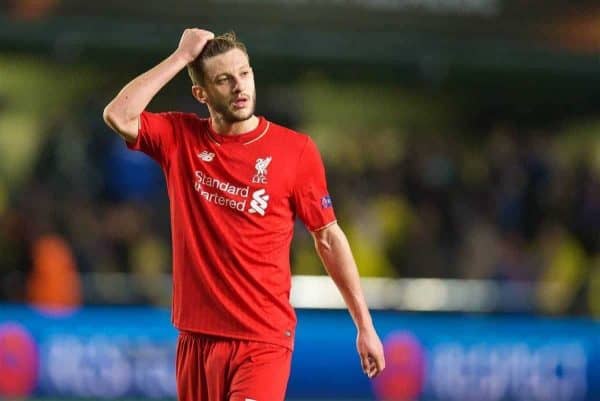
(229, 86)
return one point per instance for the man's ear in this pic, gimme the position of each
(199, 93)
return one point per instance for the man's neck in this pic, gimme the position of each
(239, 127)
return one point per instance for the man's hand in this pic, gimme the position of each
(192, 42)
(370, 351)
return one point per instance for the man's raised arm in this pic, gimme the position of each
(123, 112)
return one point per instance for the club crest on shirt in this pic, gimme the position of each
(261, 170)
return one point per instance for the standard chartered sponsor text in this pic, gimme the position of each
(204, 182)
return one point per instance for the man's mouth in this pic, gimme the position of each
(241, 102)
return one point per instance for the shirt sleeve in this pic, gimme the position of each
(311, 197)
(156, 136)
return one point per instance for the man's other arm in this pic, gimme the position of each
(334, 250)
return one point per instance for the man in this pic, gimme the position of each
(236, 182)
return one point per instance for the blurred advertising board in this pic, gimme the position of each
(129, 352)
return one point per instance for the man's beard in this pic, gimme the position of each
(230, 116)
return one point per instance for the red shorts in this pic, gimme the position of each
(221, 369)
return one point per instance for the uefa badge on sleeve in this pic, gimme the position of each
(326, 202)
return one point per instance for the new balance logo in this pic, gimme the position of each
(206, 156)
(259, 202)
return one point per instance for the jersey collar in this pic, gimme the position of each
(245, 138)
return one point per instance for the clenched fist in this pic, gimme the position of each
(192, 42)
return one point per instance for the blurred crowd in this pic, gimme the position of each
(513, 205)
(505, 203)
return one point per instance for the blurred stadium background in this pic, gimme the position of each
(462, 141)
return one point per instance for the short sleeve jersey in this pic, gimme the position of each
(233, 202)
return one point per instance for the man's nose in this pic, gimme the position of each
(238, 85)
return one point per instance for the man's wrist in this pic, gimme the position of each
(365, 326)
(181, 58)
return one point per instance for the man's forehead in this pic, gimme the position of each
(229, 61)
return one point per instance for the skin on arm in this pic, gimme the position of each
(122, 114)
(334, 250)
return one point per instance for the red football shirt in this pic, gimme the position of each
(233, 201)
